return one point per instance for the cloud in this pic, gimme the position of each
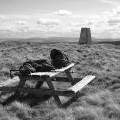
(62, 13)
(50, 25)
(16, 24)
(21, 22)
(114, 21)
(2, 17)
(8, 28)
(66, 13)
(110, 2)
(116, 11)
(112, 18)
(48, 22)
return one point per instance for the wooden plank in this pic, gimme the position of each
(51, 86)
(78, 86)
(38, 78)
(38, 91)
(20, 85)
(32, 77)
(50, 74)
(69, 77)
(64, 68)
(59, 79)
(22, 81)
(39, 84)
(65, 79)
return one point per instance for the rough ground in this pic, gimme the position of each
(102, 96)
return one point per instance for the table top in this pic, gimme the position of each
(50, 74)
(53, 72)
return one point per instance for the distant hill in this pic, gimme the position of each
(62, 39)
(46, 40)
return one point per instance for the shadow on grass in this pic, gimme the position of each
(30, 99)
(72, 99)
(33, 100)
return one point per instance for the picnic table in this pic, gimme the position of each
(49, 77)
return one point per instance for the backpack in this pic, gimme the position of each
(35, 66)
(58, 59)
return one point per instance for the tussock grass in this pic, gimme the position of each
(101, 100)
(102, 105)
(21, 111)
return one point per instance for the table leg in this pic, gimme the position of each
(17, 93)
(69, 77)
(39, 84)
(20, 85)
(51, 86)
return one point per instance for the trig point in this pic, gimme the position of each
(85, 36)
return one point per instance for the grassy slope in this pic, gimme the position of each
(102, 97)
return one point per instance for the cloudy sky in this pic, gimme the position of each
(56, 18)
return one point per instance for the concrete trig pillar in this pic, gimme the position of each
(85, 36)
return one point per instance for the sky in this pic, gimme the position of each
(59, 18)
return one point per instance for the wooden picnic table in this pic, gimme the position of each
(49, 77)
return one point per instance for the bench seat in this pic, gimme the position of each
(78, 86)
(53, 72)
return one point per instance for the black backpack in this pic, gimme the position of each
(35, 66)
(58, 59)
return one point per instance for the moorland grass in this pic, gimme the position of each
(102, 96)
